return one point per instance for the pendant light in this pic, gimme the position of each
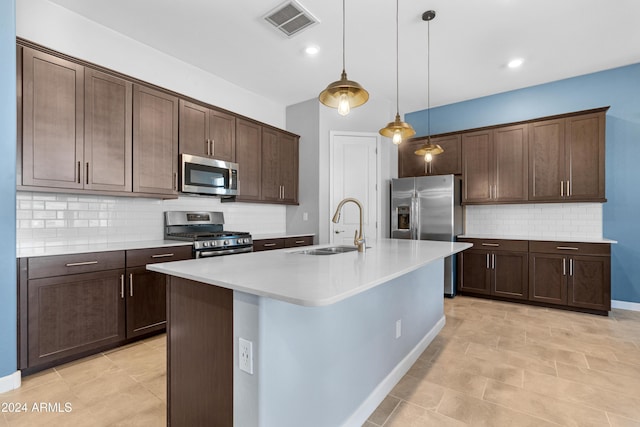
(397, 130)
(343, 94)
(429, 149)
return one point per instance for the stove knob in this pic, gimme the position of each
(226, 242)
(205, 244)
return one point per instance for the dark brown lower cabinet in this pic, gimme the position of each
(71, 306)
(560, 274)
(501, 270)
(146, 291)
(74, 314)
(281, 242)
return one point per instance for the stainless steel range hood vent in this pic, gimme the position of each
(290, 18)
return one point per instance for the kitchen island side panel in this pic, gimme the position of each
(320, 366)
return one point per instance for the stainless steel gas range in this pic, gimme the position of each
(206, 231)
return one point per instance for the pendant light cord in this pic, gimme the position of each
(343, 35)
(429, 81)
(397, 61)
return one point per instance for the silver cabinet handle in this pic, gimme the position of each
(571, 267)
(567, 248)
(487, 261)
(491, 244)
(208, 146)
(131, 284)
(162, 255)
(493, 261)
(122, 286)
(78, 172)
(76, 264)
(568, 188)
(561, 188)
(299, 242)
(213, 147)
(564, 266)
(87, 177)
(268, 245)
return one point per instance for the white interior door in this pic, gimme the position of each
(354, 173)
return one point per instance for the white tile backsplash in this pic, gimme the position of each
(56, 219)
(540, 220)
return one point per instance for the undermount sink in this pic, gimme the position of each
(331, 250)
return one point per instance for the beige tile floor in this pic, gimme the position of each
(494, 364)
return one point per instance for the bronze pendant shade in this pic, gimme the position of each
(397, 130)
(343, 94)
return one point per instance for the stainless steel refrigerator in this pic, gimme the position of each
(428, 208)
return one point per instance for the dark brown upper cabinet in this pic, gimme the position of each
(449, 162)
(279, 167)
(248, 157)
(207, 132)
(155, 141)
(495, 165)
(566, 159)
(52, 121)
(76, 126)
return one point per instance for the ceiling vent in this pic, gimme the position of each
(290, 18)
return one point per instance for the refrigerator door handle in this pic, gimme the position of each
(415, 218)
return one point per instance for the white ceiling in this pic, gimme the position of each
(471, 42)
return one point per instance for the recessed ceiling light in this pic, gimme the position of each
(311, 50)
(515, 63)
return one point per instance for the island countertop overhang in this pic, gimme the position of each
(309, 280)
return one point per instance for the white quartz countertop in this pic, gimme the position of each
(538, 238)
(312, 280)
(96, 247)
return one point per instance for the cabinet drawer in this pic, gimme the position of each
(140, 257)
(267, 244)
(498, 244)
(570, 248)
(292, 242)
(59, 265)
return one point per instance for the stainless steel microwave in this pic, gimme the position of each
(202, 175)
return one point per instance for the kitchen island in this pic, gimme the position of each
(330, 334)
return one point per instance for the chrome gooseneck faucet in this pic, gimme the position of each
(358, 239)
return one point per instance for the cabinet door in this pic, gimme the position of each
(222, 131)
(548, 278)
(288, 160)
(73, 314)
(194, 129)
(248, 157)
(270, 180)
(449, 162)
(53, 109)
(511, 279)
(408, 163)
(510, 168)
(475, 268)
(589, 284)
(547, 160)
(155, 141)
(477, 167)
(107, 132)
(146, 297)
(585, 157)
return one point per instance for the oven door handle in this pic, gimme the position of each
(204, 254)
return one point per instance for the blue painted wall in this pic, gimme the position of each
(8, 361)
(618, 88)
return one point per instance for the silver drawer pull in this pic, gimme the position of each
(491, 244)
(161, 255)
(268, 244)
(299, 242)
(567, 248)
(75, 264)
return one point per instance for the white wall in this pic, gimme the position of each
(53, 26)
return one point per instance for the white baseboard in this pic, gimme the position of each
(378, 394)
(10, 382)
(625, 305)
